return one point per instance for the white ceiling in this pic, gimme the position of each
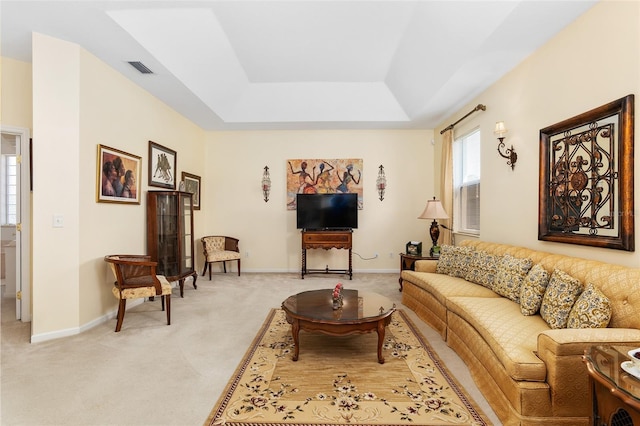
(300, 64)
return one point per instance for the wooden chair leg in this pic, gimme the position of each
(238, 267)
(224, 266)
(121, 307)
(162, 302)
(204, 271)
(210, 268)
(168, 296)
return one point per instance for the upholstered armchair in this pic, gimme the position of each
(220, 249)
(136, 278)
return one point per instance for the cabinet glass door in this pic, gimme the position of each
(167, 219)
(187, 255)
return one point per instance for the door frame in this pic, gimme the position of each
(23, 236)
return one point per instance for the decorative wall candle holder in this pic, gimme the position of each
(266, 183)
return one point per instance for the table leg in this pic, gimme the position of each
(380, 330)
(401, 269)
(295, 332)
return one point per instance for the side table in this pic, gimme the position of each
(327, 239)
(407, 261)
(615, 394)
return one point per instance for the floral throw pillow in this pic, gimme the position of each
(445, 261)
(454, 261)
(562, 292)
(483, 268)
(532, 290)
(591, 310)
(511, 273)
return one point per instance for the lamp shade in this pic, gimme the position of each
(434, 210)
(500, 129)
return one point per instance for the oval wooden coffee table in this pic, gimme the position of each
(362, 312)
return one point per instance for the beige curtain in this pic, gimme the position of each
(446, 185)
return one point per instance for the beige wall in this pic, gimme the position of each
(234, 204)
(56, 165)
(16, 107)
(117, 113)
(592, 62)
(79, 102)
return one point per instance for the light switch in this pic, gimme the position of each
(58, 221)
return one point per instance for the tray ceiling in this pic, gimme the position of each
(231, 65)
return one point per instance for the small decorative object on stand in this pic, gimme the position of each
(414, 248)
(337, 296)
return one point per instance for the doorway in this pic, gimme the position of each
(16, 221)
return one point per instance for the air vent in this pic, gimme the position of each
(141, 67)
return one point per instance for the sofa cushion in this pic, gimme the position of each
(444, 286)
(511, 273)
(621, 284)
(532, 290)
(483, 268)
(512, 336)
(454, 261)
(591, 310)
(562, 292)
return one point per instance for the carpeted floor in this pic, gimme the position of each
(154, 374)
(337, 380)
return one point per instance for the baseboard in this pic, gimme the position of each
(58, 334)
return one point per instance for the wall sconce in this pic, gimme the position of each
(381, 182)
(435, 211)
(509, 154)
(266, 183)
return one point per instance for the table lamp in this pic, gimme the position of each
(435, 211)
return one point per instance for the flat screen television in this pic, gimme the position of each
(327, 211)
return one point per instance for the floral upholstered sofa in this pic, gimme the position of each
(521, 320)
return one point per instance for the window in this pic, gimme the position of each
(9, 191)
(466, 183)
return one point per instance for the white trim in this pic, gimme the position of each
(58, 334)
(24, 274)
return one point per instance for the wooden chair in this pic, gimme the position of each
(136, 278)
(220, 249)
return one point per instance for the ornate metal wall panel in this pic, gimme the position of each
(586, 178)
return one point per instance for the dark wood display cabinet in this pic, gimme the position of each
(170, 235)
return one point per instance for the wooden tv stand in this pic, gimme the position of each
(326, 239)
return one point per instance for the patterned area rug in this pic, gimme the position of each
(337, 380)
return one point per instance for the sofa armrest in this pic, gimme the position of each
(562, 350)
(425, 265)
(567, 342)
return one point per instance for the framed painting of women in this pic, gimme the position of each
(118, 176)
